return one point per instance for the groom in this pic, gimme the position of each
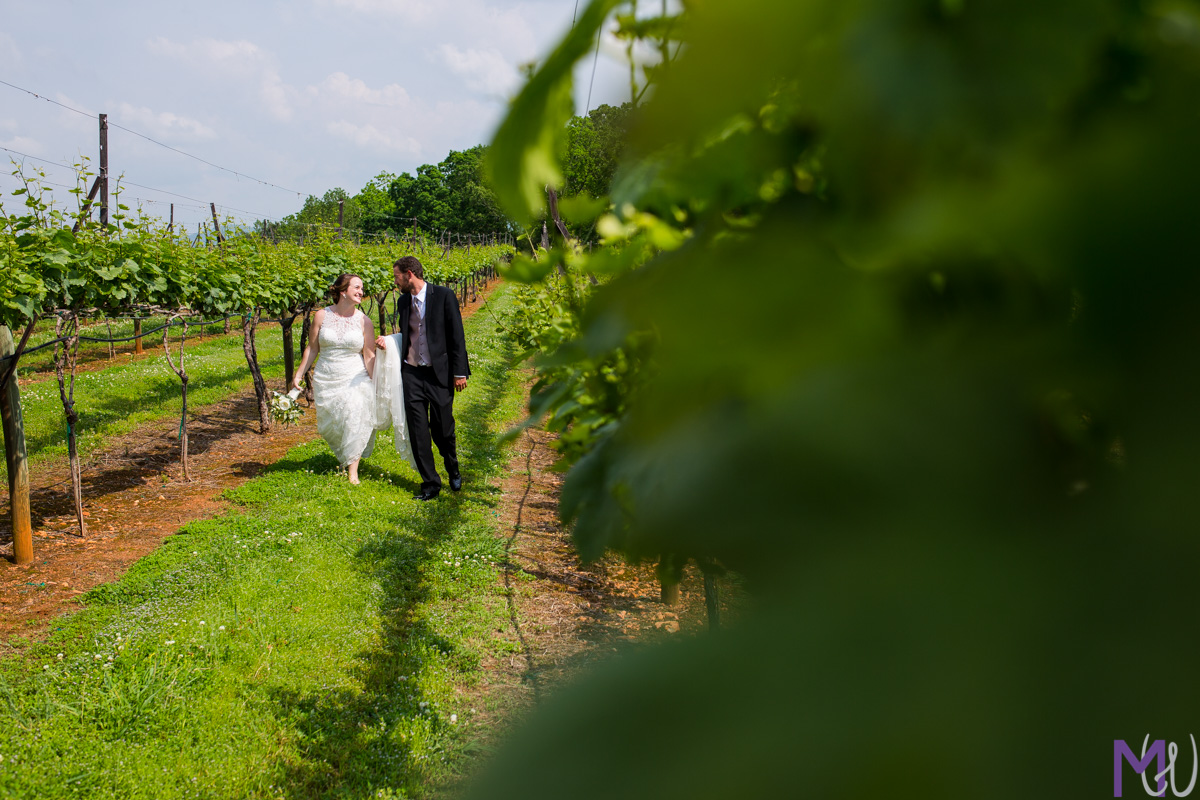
(433, 358)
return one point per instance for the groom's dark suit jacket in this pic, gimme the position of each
(443, 333)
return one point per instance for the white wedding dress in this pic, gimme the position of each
(343, 392)
(350, 406)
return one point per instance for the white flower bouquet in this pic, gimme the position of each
(284, 407)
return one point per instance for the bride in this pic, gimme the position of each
(343, 389)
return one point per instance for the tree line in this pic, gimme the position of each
(454, 195)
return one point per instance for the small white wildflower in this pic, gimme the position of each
(201, 622)
(454, 719)
(169, 641)
(60, 656)
(221, 628)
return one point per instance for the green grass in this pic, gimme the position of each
(43, 331)
(117, 399)
(321, 641)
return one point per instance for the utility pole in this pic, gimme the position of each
(104, 171)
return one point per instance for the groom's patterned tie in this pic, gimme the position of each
(414, 334)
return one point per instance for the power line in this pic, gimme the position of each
(123, 181)
(155, 141)
(596, 58)
(45, 160)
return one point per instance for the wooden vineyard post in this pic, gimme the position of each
(552, 196)
(183, 378)
(712, 592)
(14, 450)
(86, 209)
(670, 574)
(216, 224)
(103, 176)
(137, 333)
(249, 326)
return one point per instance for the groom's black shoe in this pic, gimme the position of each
(426, 494)
(456, 482)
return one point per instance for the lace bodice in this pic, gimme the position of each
(340, 333)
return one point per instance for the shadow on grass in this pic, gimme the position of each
(97, 416)
(114, 473)
(351, 742)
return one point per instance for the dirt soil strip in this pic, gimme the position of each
(133, 498)
(565, 615)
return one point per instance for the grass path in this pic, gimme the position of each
(322, 641)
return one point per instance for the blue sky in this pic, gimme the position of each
(306, 95)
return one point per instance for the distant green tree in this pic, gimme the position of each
(377, 211)
(452, 195)
(594, 147)
(317, 211)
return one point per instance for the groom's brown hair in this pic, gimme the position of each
(410, 264)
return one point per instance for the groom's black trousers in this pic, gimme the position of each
(429, 411)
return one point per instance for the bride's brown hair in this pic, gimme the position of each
(340, 285)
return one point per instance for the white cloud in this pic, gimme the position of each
(340, 86)
(22, 144)
(210, 51)
(246, 61)
(10, 54)
(411, 10)
(369, 137)
(163, 123)
(483, 70)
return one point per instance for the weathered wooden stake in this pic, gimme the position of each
(216, 224)
(15, 456)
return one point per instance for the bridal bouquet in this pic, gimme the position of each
(284, 407)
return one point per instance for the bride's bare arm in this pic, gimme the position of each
(311, 349)
(369, 346)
